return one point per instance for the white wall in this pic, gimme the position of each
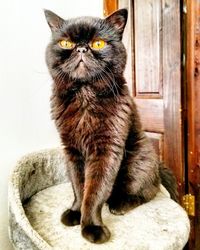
(25, 85)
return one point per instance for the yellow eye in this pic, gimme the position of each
(98, 44)
(66, 44)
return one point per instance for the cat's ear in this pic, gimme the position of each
(55, 22)
(118, 19)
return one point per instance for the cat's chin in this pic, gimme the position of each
(81, 72)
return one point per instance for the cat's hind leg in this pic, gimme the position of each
(137, 181)
(122, 202)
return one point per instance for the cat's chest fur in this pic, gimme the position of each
(87, 119)
(83, 118)
(76, 121)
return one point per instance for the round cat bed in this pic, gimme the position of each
(39, 192)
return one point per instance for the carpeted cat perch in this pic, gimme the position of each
(39, 192)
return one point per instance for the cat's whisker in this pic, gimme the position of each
(118, 86)
(110, 77)
(60, 76)
(102, 78)
(113, 80)
(110, 81)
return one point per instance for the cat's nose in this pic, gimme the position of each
(81, 49)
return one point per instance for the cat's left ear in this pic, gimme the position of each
(118, 19)
(55, 22)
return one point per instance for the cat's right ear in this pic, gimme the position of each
(54, 21)
(118, 19)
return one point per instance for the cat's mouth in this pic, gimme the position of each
(81, 63)
(81, 60)
(80, 69)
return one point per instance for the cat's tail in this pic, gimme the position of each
(168, 180)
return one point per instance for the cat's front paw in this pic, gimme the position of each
(96, 234)
(71, 218)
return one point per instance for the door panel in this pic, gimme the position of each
(148, 47)
(151, 113)
(157, 78)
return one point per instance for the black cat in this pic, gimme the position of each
(110, 160)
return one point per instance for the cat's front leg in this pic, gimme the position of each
(100, 174)
(72, 216)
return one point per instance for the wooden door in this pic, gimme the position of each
(152, 38)
(156, 84)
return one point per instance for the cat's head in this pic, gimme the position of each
(86, 48)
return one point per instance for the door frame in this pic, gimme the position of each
(191, 76)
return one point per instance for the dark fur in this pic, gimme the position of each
(110, 160)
